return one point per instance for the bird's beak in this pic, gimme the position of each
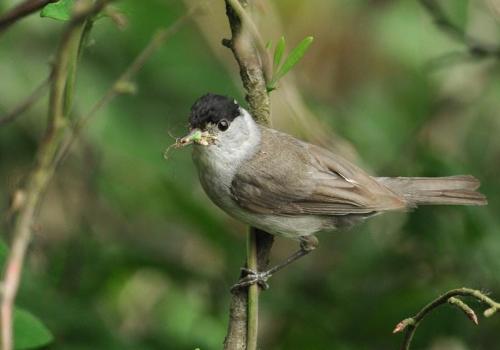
(193, 136)
(196, 136)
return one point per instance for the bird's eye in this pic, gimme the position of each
(223, 125)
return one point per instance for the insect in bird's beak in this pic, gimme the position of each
(193, 136)
(203, 138)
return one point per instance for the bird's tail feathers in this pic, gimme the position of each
(451, 190)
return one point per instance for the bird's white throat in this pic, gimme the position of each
(218, 163)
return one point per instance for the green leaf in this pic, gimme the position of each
(293, 58)
(29, 331)
(278, 52)
(60, 10)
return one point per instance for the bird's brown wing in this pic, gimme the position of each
(290, 177)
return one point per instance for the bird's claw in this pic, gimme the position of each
(252, 277)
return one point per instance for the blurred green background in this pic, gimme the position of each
(129, 253)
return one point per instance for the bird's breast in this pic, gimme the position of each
(216, 172)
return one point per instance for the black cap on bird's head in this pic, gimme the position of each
(212, 108)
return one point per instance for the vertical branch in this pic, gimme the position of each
(249, 61)
(42, 172)
(243, 321)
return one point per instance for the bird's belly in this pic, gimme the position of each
(215, 177)
(287, 226)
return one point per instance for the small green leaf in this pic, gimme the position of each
(293, 58)
(29, 331)
(269, 44)
(60, 10)
(278, 52)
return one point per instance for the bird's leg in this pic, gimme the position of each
(307, 245)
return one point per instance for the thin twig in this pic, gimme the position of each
(123, 84)
(43, 170)
(409, 325)
(243, 322)
(20, 11)
(253, 294)
(475, 47)
(38, 93)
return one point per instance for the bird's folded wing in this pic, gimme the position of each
(292, 178)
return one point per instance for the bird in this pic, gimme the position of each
(290, 188)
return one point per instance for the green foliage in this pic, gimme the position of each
(29, 331)
(60, 10)
(293, 58)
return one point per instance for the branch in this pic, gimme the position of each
(410, 325)
(249, 62)
(243, 321)
(20, 11)
(243, 315)
(256, 39)
(123, 84)
(475, 47)
(41, 174)
(39, 91)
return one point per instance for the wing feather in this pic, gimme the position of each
(290, 177)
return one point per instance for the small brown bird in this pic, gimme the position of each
(287, 187)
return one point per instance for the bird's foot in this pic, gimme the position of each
(252, 277)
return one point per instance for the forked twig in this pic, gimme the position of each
(409, 325)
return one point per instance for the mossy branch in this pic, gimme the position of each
(242, 45)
